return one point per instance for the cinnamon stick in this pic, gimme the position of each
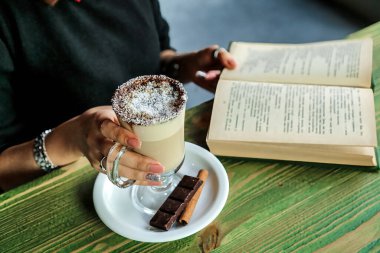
(185, 217)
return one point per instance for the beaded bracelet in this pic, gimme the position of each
(39, 152)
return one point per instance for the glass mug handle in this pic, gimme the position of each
(113, 166)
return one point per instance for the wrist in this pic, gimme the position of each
(62, 144)
(178, 66)
(171, 68)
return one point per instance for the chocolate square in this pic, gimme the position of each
(163, 220)
(172, 206)
(180, 194)
(189, 182)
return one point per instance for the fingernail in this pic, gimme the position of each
(156, 168)
(153, 177)
(200, 74)
(231, 62)
(134, 143)
(154, 183)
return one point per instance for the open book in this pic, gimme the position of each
(301, 102)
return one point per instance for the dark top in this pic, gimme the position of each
(56, 62)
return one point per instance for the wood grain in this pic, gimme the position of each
(271, 207)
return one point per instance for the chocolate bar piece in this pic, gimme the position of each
(189, 182)
(163, 220)
(173, 206)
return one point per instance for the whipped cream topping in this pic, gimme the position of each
(148, 100)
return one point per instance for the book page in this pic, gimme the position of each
(293, 113)
(342, 62)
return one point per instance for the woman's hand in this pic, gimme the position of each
(202, 67)
(208, 64)
(92, 134)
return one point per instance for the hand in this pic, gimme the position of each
(94, 132)
(202, 67)
(210, 62)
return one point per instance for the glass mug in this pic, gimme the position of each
(152, 107)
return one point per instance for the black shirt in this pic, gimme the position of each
(56, 62)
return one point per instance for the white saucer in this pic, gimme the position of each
(114, 206)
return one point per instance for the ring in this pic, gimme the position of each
(215, 53)
(102, 167)
(113, 173)
(153, 177)
(112, 149)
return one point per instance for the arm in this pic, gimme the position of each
(90, 134)
(17, 166)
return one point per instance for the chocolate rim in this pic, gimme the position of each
(125, 91)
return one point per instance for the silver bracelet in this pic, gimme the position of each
(40, 155)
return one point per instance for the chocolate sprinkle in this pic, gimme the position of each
(149, 99)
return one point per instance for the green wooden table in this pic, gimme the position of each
(272, 206)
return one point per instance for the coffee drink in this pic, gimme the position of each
(153, 107)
